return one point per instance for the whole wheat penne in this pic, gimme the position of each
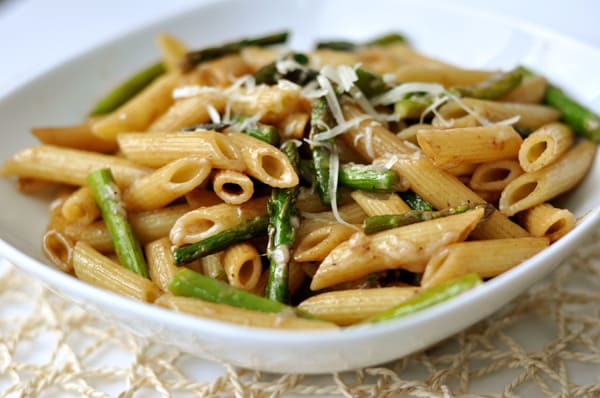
(242, 265)
(530, 91)
(445, 75)
(161, 265)
(158, 149)
(257, 57)
(189, 111)
(548, 221)
(408, 247)
(80, 207)
(98, 270)
(171, 50)
(201, 197)
(59, 249)
(544, 146)
(318, 243)
(223, 71)
(272, 103)
(487, 258)
(294, 125)
(532, 189)
(166, 184)
(378, 203)
(69, 166)
(495, 176)
(346, 307)
(232, 186)
(77, 137)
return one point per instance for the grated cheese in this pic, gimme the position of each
(331, 98)
(192, 91)
(400, 91)
(340, 128)
(213, 113)
(369, 142)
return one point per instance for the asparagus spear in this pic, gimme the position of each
(128, 89)
(344, 45)
(494, 87)
(387, 39)
(382, 222)
(429, 297)
(194, 58)
(413, 106)
(108, 198)
(321, 116)
(263, 132)
(206, 126)
(367, 177)
(270, 73)
(370, 83)
(282, 232)
(416, 202)
(337, 45)
(248, 229)
(189, 283)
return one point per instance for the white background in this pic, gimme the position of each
(37, 34)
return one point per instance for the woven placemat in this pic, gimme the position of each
(51, 347)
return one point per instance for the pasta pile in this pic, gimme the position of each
(348, 185)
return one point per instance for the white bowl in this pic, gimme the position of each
(64, 94)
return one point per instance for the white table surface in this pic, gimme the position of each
(37, 34)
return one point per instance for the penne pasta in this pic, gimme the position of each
(80, 207)
(544, 146)
(495, 176)
(59, 249)
(77, 137)
(547, 221)
(160, 262)
(171, 50)
(318, 243)
(242, 265)
(530, 91)
(232, 187)
(378, 203)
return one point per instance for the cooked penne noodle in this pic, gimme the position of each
(546, 220)
(226, 313)
(257, 57)
(200, 197)
(189, 111)
(346, 307)
(377, 59)
(487, 258)
(445, 75)
(98, 270)
(272, 103)
(232, 186)
(544, 146)
(530, 91)
(33, 186)
(449, 148)
(223, 71)
(77, 137)
(378, 203)
(171, 50)
(489, 196)
(80, 207)
(408, 247)
(161, 265)
(462, 170)
(322, 57)
(318, 243)
(212, 265)
(410, 133)
(203, 222)
(495, 176)
(532, 189)
(242, 265)
(309, 201)
(294, 125)
(530, 115)
(158, 149)
(59, 249)
(69, 166)
(166, 184)
(265, 162)
(148, 226)
(404, 54)
(137, 113)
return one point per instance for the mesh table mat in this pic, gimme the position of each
(51, 347)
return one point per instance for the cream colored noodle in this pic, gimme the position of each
(462, 170)
(201, 197)
(545, 146)
(242, 265)
(547, 220)
(408, 247)
(449, 148)
(166, 184)
(531, 189)
(137, 113)
(318, 243)
(240, 316)
(161, 265)
(294, 125)
(171, 49)
(223, 71)
(80, 207)
(410, 133)
(495, 176)
(186, 112)
(434, 185)
(232, 186)
(59, 249)
(148, 226)
(530, 115)
(158, 149)
(69, 166)
(445, 75)
(406, 55)
(257, 57)
(271, 103)
(77, 137)
(98, 270)
(379, 203)
(212, 265)
(346, 307)
(530, 91)
(322, 57)
(487, 258)
(265, 162)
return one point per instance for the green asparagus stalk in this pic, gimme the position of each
(370, 83)
(416, 202)
(282, 232)
(194, 58)
(428, 298)
(108, 198)
(382, 222)
(387, 39)
(248, 229)
(344, 45)
(337, 45)
(367, 177)
(269, 74)
(320, 116)
(206, 126)
(263, 132)
(413, 106)
(189, 283)
(494, 87)
(128, 89)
